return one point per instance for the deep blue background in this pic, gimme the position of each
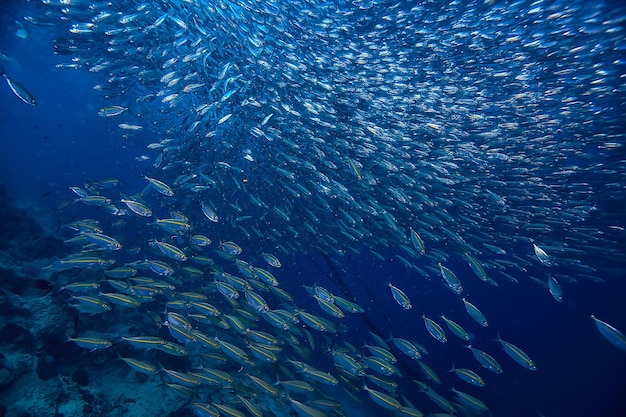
(62, 141)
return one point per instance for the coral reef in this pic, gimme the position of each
(41, 374)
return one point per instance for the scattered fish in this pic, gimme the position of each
(400, 297)
(542, 255)
(610, 333)
(475, 313)
(111, 111)
(517, 354)
(18, 89)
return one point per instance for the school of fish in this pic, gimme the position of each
(369, 127)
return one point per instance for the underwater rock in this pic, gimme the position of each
(81, 377)
(21, 237)
(16, 225)
(140, 378)
(46, 370)
(14, 283)
(5, 375)
(42, 284)
(18, 336)
(14, 366)
(7, 308)
(43, 247)
(74, 407)
(60, 352)
(96, 404)
(181, 412)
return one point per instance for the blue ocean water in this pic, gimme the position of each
(63, 142)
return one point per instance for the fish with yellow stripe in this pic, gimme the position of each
(517, 354)
(382, 399)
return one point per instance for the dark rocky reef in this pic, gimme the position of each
(25, 250)
(21, 237)
(29, 316)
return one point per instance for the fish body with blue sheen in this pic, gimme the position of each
(18, 89)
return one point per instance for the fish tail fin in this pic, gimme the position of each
(145, 189)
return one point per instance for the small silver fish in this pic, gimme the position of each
(19, 90)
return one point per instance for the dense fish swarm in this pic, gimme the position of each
(481, 132)
(339, 126)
